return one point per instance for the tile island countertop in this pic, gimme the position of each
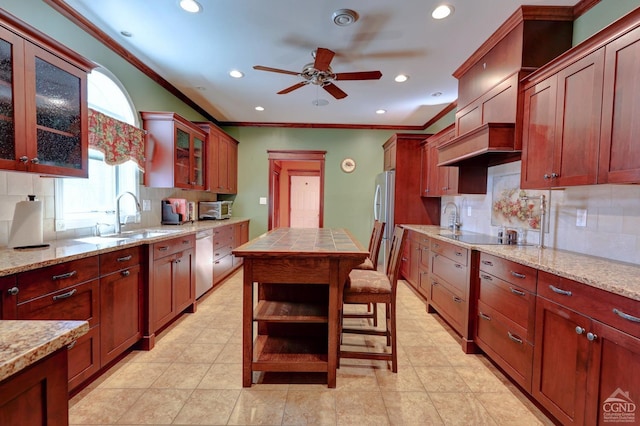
(609, 275)
(22, 343)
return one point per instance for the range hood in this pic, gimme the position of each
(486, 145)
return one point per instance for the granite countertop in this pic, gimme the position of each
(22, 343)
(13, 261)
(613, 276)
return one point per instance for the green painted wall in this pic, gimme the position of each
(348, 197)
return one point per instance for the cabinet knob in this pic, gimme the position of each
(554, 175)
(35, 160)
(126, 273)
(13, 291)
(546, 176)
(579, 330)
(24, 159)
(591, 337)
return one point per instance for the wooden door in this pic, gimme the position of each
(538, 134)
(560, 361)
(620, 133)
(578, 106)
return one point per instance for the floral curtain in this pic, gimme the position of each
(119, 141)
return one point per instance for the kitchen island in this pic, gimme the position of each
(300, 274)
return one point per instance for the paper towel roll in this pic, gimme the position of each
(26, 228)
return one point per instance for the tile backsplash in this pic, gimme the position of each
(16, 186)
(612, 227)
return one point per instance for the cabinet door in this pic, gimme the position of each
(223, 165)
(232, 168)
(184, 280)
(619, 151)
(578, 106)
(560, 361)
(197, 168)
(120, 312)
(213, 149)
(538, 134)
(435, 173)
(8, 297)
(56, 113)
(12, 119)
(423, 283)
(424, 170)
(182, 177)
(162, 302)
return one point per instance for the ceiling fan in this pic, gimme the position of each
(319, 73)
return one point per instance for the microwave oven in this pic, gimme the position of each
(210, 210)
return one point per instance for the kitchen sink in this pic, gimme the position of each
(139, 234)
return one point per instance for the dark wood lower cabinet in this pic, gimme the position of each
(37, 395)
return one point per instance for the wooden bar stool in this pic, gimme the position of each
(377, 287)
(371, 264)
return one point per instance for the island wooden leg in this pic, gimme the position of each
(334, 309)
(247, 324)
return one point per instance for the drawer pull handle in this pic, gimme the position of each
(517, 292)
(459, 266)
(591, 336)
(484, 316)
(185, 241)
(518, 275)
(126, 273)
(559, 290)
(65, 295)
(124, 258)
(487, 262)
(457, 299)
(458, 253)
(486, 277)
(163, 248)
(621, 315)
(514, 338)
(63, 276)
(71, 345)
(436, 246)
(434, 283)
(13, 291)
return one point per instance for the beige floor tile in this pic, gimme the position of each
(135, 375)
(208, 407)
(163, 351)
(259, 407)
(441, 379)
(507, 410)
(356, 375)
(360, 408)
(429, 356)
(201, 353)
(222, 376)
(214, 335)
(304, 407)
(156, 407)
(460, 409)
(483, 379)
(411, 408)
(104, 406)
(405, 379)
(231, 353)
(181, 375)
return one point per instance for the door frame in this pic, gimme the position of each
(294, 155)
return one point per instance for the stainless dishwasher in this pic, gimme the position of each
(204, 261)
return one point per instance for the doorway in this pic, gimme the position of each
(296, 189)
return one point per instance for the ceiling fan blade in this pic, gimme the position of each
(261, 68)
(323, 58)
(362, 75)
(292, 88)
(335, 91)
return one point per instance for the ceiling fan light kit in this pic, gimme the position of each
(320, 73)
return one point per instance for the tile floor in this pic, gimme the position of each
(193, 377)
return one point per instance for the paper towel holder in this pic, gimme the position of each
(21, 238)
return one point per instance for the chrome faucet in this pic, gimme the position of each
(543, 209)
(118, 225)
(455, 223)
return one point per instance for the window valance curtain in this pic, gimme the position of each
(119, 141)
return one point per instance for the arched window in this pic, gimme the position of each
(85, 203)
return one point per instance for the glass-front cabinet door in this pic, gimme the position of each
(183, 158)
(11, 99)
(198, 162)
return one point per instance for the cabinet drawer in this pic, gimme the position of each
(448, 305)
(121, 259)
(601, 305)
(505, 345)
(79, 302)
(52, 278)
(453, 273)
(512, 272)
(84, 357)
(511, 301)
(452, 251)
(222, 266)
(174, 245)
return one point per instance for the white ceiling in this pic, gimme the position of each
(195, 53)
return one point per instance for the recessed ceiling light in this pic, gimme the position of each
(381, 111)
(236, 74)
(125, 33)
(442, 11)
(191, 6)
(401, 78)
(259, 108)
(436, 94)
(319, 102)
(344, 17)
(201, 88)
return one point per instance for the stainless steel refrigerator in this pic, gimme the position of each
(383, 211)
